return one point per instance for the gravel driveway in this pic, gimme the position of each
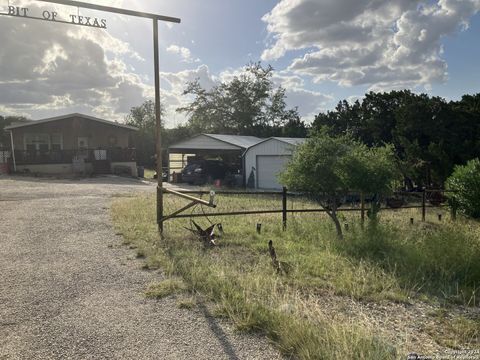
(69, 290)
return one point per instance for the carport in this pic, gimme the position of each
(229, 148)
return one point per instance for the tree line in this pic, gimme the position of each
(429, 134)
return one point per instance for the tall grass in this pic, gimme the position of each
(385, 261)
(436, 261)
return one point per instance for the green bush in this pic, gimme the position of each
(330, 167)
(465, 182)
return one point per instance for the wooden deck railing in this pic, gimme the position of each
(28, 157)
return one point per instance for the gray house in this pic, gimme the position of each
(72, 143)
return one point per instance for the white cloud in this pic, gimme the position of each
(185, 53)
(177, 81)
(379, 43)
(173, 86)
(309, 102)
(353, 98)
(59, 68)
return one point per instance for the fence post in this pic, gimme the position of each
(284, 208)
(453, 209)
(424, 208)
(362, 208)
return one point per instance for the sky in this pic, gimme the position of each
(323, 51)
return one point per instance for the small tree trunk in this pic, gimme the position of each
(338, 227)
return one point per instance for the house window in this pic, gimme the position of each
(56, 141)
(4, 156)
(37, 142)
(30, 143)
(82, 142)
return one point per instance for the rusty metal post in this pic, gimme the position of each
(362, 209)
(158, 128)
(220, 229)
(424, 205)
(284, 208)
(453, 212)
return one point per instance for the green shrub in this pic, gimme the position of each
(465, 181)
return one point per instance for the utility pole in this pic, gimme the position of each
(158, 129)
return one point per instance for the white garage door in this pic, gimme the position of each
(268, 167)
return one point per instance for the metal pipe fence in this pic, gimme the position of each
(405, 200)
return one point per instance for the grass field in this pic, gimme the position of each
(386, 290)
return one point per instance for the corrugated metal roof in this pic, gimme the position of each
(237, 140)
(292, 141)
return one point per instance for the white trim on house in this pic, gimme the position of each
(13, 152)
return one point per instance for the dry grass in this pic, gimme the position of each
(187, 302)
(392, 261)
(165, 288)
(148, 174)
(456, 331)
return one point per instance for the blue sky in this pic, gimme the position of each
(323, 51)
(461, 53)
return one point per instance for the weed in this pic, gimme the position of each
(165, 288)
(187, 303)
(457, 331)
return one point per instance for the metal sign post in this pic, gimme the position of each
(53, 16)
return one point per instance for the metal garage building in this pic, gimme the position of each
(264, 157)
(228, 147)
(267, 158)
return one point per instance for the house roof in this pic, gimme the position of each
(69, 116)
(216, 142)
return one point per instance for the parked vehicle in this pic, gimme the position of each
(204, 171)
